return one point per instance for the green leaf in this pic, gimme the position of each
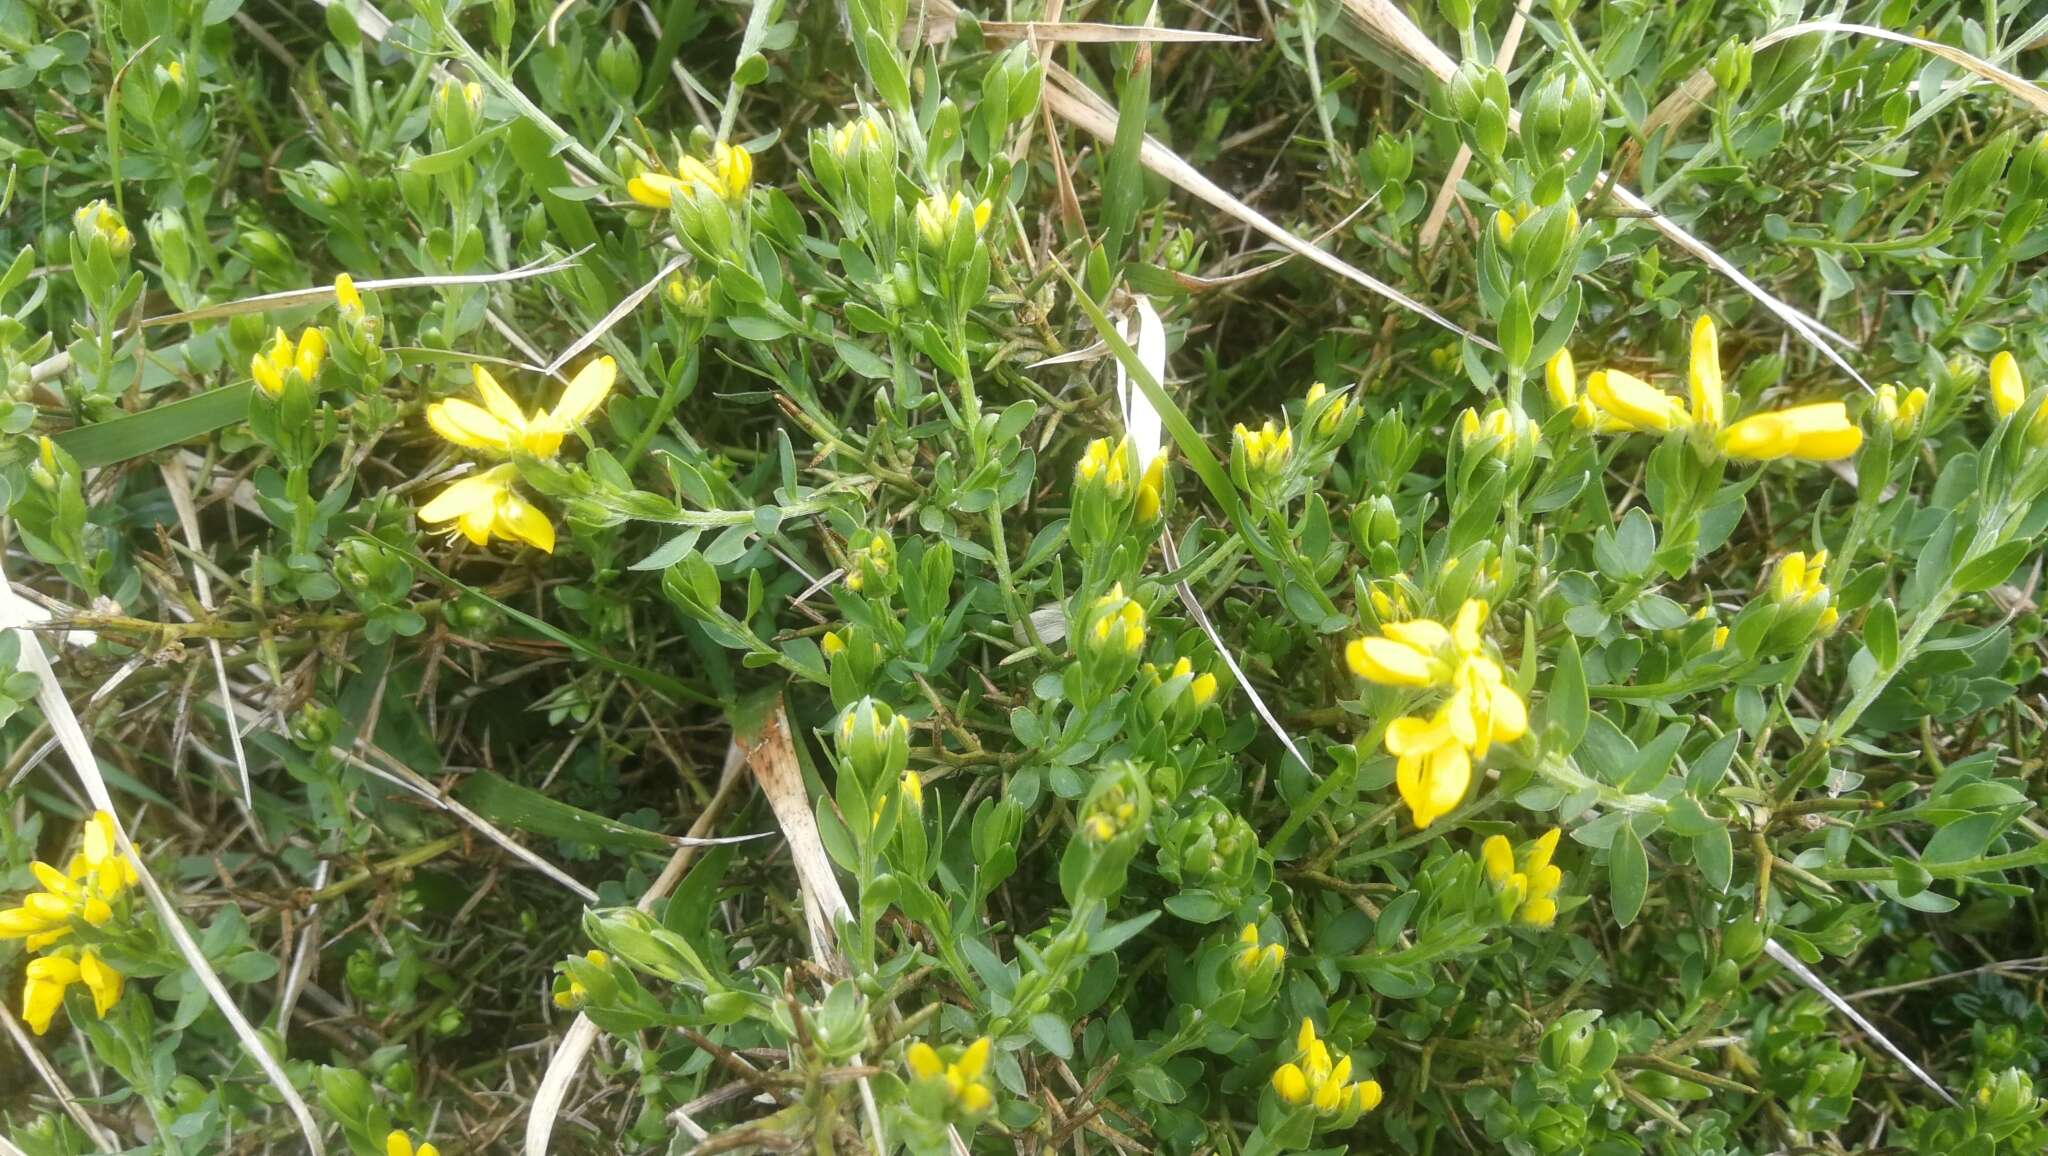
(1990, 569)
(1628, 875)
(508, 804)
(158, 427)
(1566, 704)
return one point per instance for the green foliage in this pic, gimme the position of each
(780, 531)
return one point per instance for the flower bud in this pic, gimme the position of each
(874, 743)
(618, 63)
(458, 112)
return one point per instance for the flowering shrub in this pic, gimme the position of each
(657, 577)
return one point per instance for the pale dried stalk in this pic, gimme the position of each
(567, 1061)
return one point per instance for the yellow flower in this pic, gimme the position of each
(1561, 380)
(1203, 690)
(1432, 769)
(1534, 887)
(1632, 403)
(729, 175)
(484, 506)
(1900, 411)
(270, 366)
(939, 215)
(1290, 1084)
(1389, 661)
(42, 992)
(1484, 709)
(863, 133)
(99, 219)
(1150, 487)
(912, 790)
(1703, 373)
(832, 645)
(345, 296)
(498, 427)
(1819, 432)
(85, 890)
(965, 1079)
(574, 995)
(1499, 857)
(734, 168)
(1497, 424)
(1332, 417)
(1801, 579)
(1720, 637)
(1117, 623)
(400, 1144)
(1251, 957)
(1504, 226)
(101, 980)
(1267, 448)
(2008, 388)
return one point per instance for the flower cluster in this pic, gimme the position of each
(1435, 753)
(99, 222)
(1265, 449)
(963, 1081)
(271, 367)
(1313, 1081)
(1900, 411)
(1528, 894)
(1800, 583)
(1116, 624)
(1617, 401)
(1496, 426)
(1252, 958)
(728, 176)
(86, 894)
(486, 505)
(573, 993)
(941, 218)
(400, 1144)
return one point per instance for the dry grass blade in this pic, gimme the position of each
(320, 294)
(179, 485)
(2026, 90)
(63, 722)
(612, 318)
(93, 1131)
(1805, 975)
(1071, 99)
(773, 759)
(567, 1061)
(1086, 33)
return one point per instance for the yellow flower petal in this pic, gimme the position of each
(923, 1061)
(974, 1061)
(1703, 373)
(103, 981)
(1290, 1084)
(1499, 858)
(467, 496)
(2008, 389)
(1561, 380)
(470, 426)
(496, 400)
(586, 391)
(517, 518)
(398, 1144)
(1634, 402)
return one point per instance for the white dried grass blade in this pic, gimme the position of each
(1805, 975)
(374, 24)
(567, 1061)
(7, 1147)
(612, 318)
(1085, 32)
(1142, 423)
(426, 790)
(1071, 99)
(1138, 414)
(64, 724)
(2019, 86)
(58, 1088)
(287, 298)
(179, 485)
(773, 759)
(302, 955)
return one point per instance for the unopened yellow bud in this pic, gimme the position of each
(1290, 1084)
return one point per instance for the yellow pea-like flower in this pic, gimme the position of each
(1634, 403)
(485, 506)
(2008, 388)
(1703, 373)
(498, 427)
(1819, 432)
